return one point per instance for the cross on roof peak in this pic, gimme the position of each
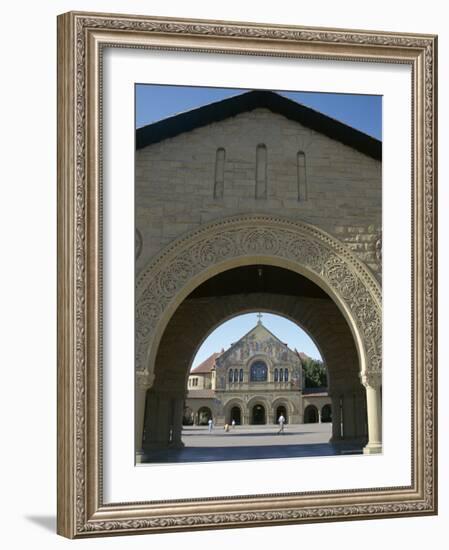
(259, 317)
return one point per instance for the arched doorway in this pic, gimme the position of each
(281, 410)
(204, 414)
(258, 415)
(188, 417)
(310, 414)
(326, 414)
(236, 415)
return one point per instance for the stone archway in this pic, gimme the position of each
(188, 417)
(235, 415)
(284, 407)
(204, 415)
(258, 409)
(234, 410)
(310, 414)
(281, 410)
(304, 249)
(326, 413)
(258, 414)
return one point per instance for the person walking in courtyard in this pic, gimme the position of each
(210, 423)
(233, 423)
(281, 422)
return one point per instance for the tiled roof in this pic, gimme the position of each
(206, 366)
(232, 106)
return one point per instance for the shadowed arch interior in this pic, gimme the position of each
(254, 288)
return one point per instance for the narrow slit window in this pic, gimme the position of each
(302, 178)
(261, 172)
(219, 173)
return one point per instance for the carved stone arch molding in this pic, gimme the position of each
(250, 239)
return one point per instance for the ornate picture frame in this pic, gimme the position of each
(82, 40)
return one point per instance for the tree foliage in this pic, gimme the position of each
(315, 375)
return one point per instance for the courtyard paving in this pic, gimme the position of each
(252, 442)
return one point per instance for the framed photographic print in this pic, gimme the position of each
(247, 274)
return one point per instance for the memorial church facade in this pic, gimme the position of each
(254, 382)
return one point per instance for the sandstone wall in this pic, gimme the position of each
(178, 187)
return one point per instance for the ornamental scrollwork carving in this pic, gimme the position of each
(262, 516)
(144, 379)
(378, 247)
(371, 379)
(260, 236)
(138, 244)
(249, 31)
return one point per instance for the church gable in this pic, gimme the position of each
(258, 341)
(234, 149)
(250, 102)
(259, 357)
(264, 158)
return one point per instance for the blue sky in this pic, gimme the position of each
(155, 102)
(232, 330)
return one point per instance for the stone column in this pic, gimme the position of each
(373, 385)
(361, 431)
(300, 409)
(349, 430)
(158, 420)
(143, 382)
(161, 437)
(336, 419)
(176, 425)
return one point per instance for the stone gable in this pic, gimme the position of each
(176, 182)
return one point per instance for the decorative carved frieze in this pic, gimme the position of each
(312, 250)
(138, 244)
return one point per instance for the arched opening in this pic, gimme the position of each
(235, 416)
(326, 414)
(258, 415)
(204, 415)
(226, 297)
(281, 268)
(310, 414)
(281, 410)
(188, 417)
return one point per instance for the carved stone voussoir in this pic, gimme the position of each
(144, 379)
(284, 242)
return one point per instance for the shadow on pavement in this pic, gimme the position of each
(237, 434)
(212, 454)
